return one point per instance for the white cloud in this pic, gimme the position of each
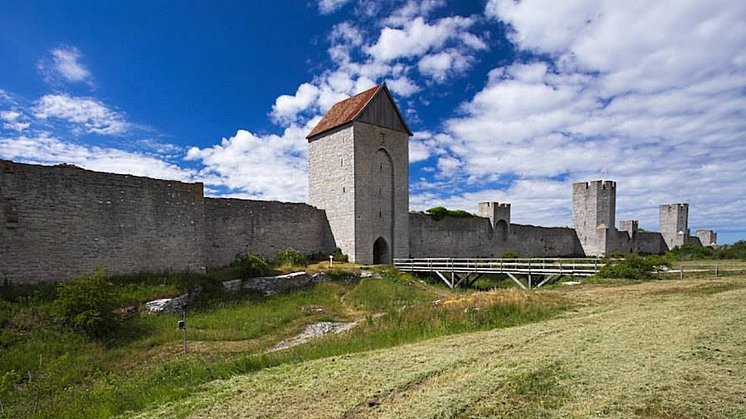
(86, 114)
(12, 121)
(441, 65)
(660, 108)
(259, 167)
(417, 37)
(331, 6)
(64, 65)
(9, 116)
(286, 107)
(403, 86)
(46, 149)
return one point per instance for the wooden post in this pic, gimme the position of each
(681, 272)
(716, 271)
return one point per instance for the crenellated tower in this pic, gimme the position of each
(673, 224)
(499, 216)
(594, 214)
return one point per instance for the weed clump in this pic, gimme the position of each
(633, 267)
(87, 304)
(290, 257)
(249, 265)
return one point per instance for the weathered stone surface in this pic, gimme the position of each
(315, 331)
(168, 305)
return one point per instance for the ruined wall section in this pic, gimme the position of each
(61, 221)
(234, 226)
(475, 238)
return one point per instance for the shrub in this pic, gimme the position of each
(251, 265)
(633, 267)
(438, 213)
(511, 255)
(87, 304)
(690, 252)
(338, 255)
(290, 257)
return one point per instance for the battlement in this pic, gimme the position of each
(672, 207)
(595, 184)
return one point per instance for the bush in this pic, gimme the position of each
(511, 255)
(87, 304)
(438, 213)
(690, 252)
(251, 265)
(633, 267)
(290, 257)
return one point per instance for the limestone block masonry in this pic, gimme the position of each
(62, 221)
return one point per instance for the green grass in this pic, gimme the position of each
(56, 372)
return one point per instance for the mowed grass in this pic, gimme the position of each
(655, 349)
(51, 371)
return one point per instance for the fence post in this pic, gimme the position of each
(716, 271)
(681, 272)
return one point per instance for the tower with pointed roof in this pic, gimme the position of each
(358, 172)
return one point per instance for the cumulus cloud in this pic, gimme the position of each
(47, 149)
(258, 166)
(85, 114)
(64, 65)
(660, 108)
(441, 65)
(417, 37)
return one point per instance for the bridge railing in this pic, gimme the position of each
(528, 266)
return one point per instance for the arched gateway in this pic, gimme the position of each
(381, 252)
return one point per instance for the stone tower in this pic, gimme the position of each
(358, 172)
(707, 237)
(499, 215)
(673, 224)
(593, 215)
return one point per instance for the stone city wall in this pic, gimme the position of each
(474, 238)
(61, 221)
(58, 222)
(234, 226)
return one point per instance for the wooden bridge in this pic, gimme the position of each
(464, 272)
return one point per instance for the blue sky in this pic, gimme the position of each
(509, 101)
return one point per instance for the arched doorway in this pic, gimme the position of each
(381, 253)
(501, 230)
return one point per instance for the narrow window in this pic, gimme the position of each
(380, 215)
(382, 167)
(343, 189)
(341, 162)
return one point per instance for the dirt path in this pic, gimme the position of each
(663, 349)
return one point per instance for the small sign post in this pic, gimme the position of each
(331, 261)
(182, 326)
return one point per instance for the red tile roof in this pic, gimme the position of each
(344, 111)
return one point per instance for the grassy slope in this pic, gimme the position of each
(660, 349)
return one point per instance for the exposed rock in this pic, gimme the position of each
(314, 331)
(168, 305)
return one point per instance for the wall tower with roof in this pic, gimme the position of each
(358, 172)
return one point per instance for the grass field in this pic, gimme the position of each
(655, 349)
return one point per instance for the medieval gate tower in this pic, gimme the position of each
(358, 172)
